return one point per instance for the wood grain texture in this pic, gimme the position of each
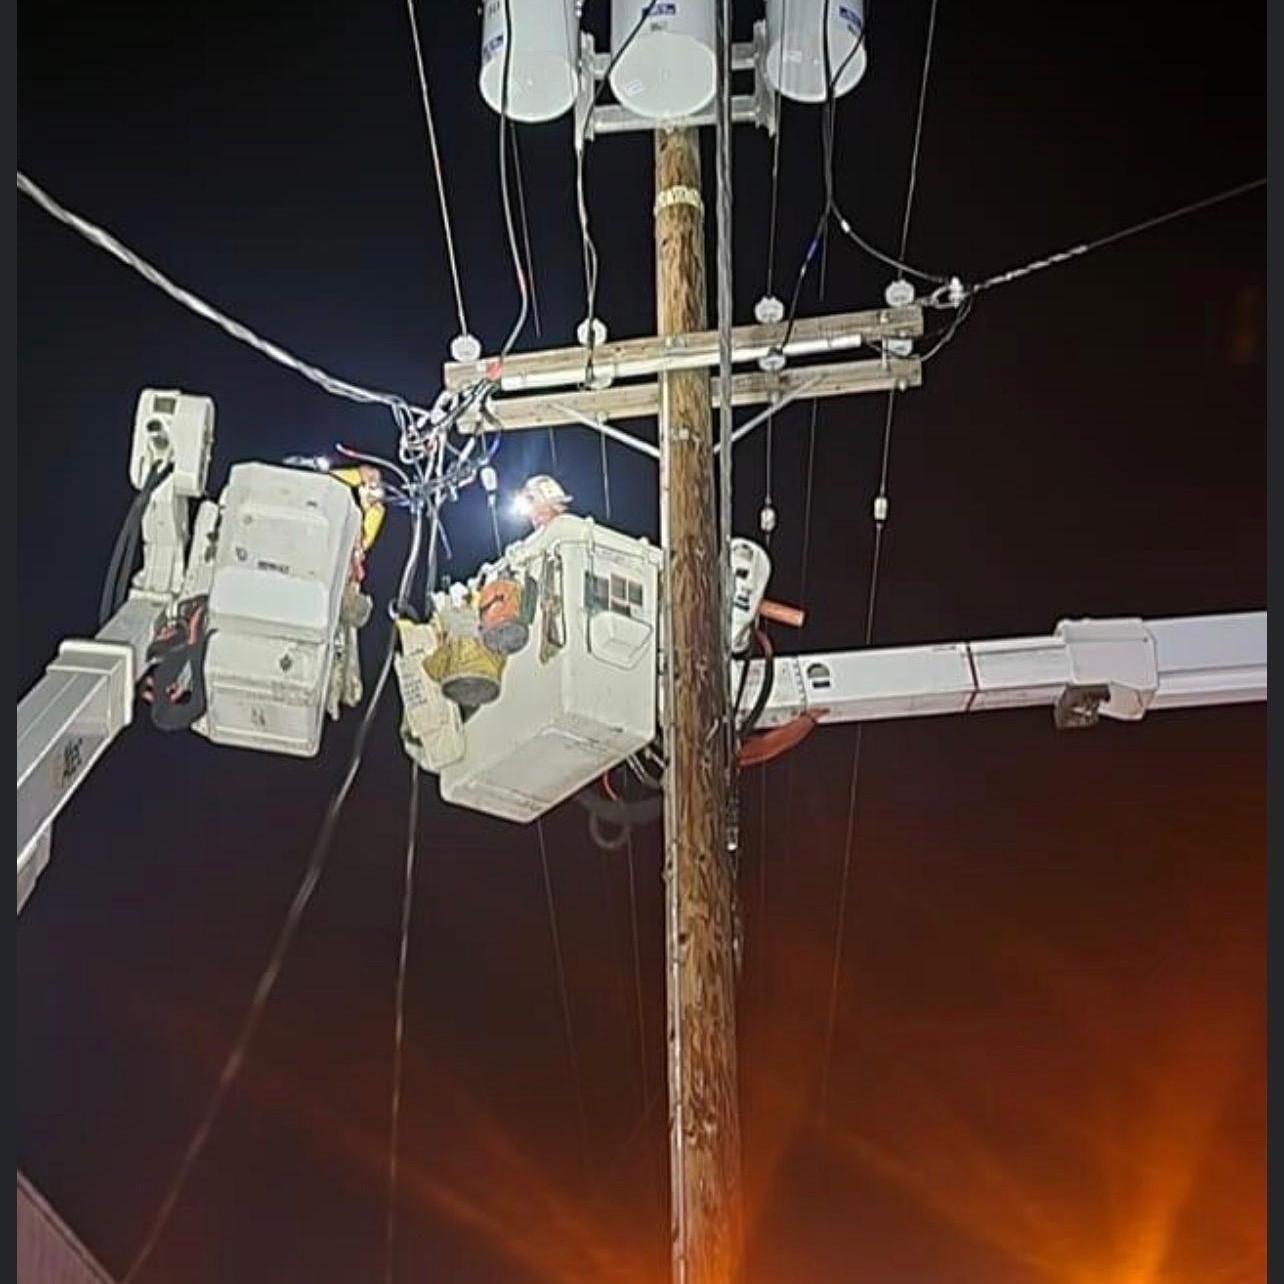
(706, 1210)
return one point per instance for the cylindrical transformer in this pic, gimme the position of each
(669, 69)
(795, 61)
(542, 57)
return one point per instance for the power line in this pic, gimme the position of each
(104, 240)
(775, 170)
(399, 1020)
(436, 164)
(526, 236)
(518, 269)
(808, 492)
(880, 516)
(918, 128)
(563, 994)
(829, 208)
(725, 319)
(1087, 247)
(637, 964)
(588, 248)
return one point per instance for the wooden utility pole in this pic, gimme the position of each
(704, 1115)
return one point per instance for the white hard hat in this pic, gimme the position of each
(545, 491)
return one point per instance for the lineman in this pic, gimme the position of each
(541, 500)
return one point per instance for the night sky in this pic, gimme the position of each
(1050, 1055)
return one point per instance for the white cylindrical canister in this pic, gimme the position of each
(795, 62)
(542, 57)
(669, 68)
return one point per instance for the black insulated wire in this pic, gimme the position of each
(588, 248)
(519, 268)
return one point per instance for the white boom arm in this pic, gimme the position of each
(269, 586)
(68, 719)
(1118, 668)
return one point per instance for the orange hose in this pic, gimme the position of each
(779, 740)
(791, 616)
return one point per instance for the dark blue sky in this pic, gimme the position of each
(1031, 912)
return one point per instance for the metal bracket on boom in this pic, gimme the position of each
(1079, 707)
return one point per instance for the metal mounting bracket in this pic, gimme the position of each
(757, 108)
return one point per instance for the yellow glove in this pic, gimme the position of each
(367, 483)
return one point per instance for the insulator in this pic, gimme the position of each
(598, 331)
(899, 294)
(769, 310)
(464, 347)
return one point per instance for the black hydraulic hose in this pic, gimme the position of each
(764, 692)
(125, 549)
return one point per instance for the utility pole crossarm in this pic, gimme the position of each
(752, 388)
(695, 350)
(1120, 668)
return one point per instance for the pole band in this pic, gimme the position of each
(679, 195)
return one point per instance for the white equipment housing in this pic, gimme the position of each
(562, 719)
(795, 61)
(669, 69)
(542, 58)
(285, 548)
(171, 429)
(750, 572)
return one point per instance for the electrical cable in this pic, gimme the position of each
(1087, 247)
(436, 164)
(828, 116)
(394, 1129)
(960, 316)
(775, 169)
(606, 477)
(740, 688)
(588, 249)
(104, 240)
(563, 994)
(637, 966)
(376, 461)
(918, 128)
(519, 269)
(805, 553)
(762, 849)
(725, 319)
(880, 514)
(303, 895)
(526, 237)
